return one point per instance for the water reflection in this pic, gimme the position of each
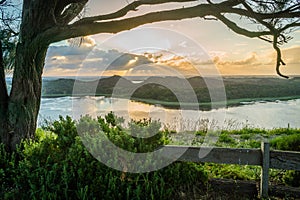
(264, 115)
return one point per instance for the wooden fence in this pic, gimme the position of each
(261, 157)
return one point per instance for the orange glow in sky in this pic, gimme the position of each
(230, 53)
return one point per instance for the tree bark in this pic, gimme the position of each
(25, 96)
(19, 110)
(4, 134)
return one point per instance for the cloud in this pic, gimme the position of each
(262, 63)
(291, 55)
(59, 58)
(184, 65)
(218, 61)
(217, 53)
(250, 60)
(88, 59)
(253, 63)
(65, 57)
(127, 61)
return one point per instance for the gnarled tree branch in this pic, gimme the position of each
(114, 22)
(279, 60)
(233, 26)
(57, 33)
(70, 13)
(125, 10)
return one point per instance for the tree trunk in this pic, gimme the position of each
(19, 110)
(25, 96)
(3, 101)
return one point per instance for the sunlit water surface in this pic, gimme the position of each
(266, 115)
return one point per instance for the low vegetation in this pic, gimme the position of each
(56, 164)
(280, 139)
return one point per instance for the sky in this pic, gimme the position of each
(188, 47)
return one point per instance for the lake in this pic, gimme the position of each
(268, 115)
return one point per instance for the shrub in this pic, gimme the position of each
(289, 143)
(284, 131)
(245, 136)
(224, 138)
(56, 165)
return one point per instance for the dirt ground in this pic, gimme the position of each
(223, 189)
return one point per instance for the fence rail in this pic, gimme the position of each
(263, 157)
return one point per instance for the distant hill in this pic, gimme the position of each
(70, 87)
(164, 89)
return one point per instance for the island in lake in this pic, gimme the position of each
(155, 90)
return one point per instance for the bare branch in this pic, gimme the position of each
(94, 27)
(130, 7)
(258, 19)
(233, 26)
(71, 12)
(243, 12)
(265, 39)
(294, 24)
(56, 34)
(2, 2)
(279, 60)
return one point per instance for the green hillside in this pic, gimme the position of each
(168, 91)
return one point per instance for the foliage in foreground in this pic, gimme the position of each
(56, 165)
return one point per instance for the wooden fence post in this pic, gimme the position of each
(264, 181)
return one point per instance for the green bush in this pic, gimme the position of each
(289, 143)
(284, 131)
(56, 165)
(245, 136)
(250, 143)
(225, 138)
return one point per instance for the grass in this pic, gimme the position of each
(280, 139)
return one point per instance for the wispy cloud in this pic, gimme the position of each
(250, 60)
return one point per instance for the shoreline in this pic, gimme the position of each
(205, 106)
